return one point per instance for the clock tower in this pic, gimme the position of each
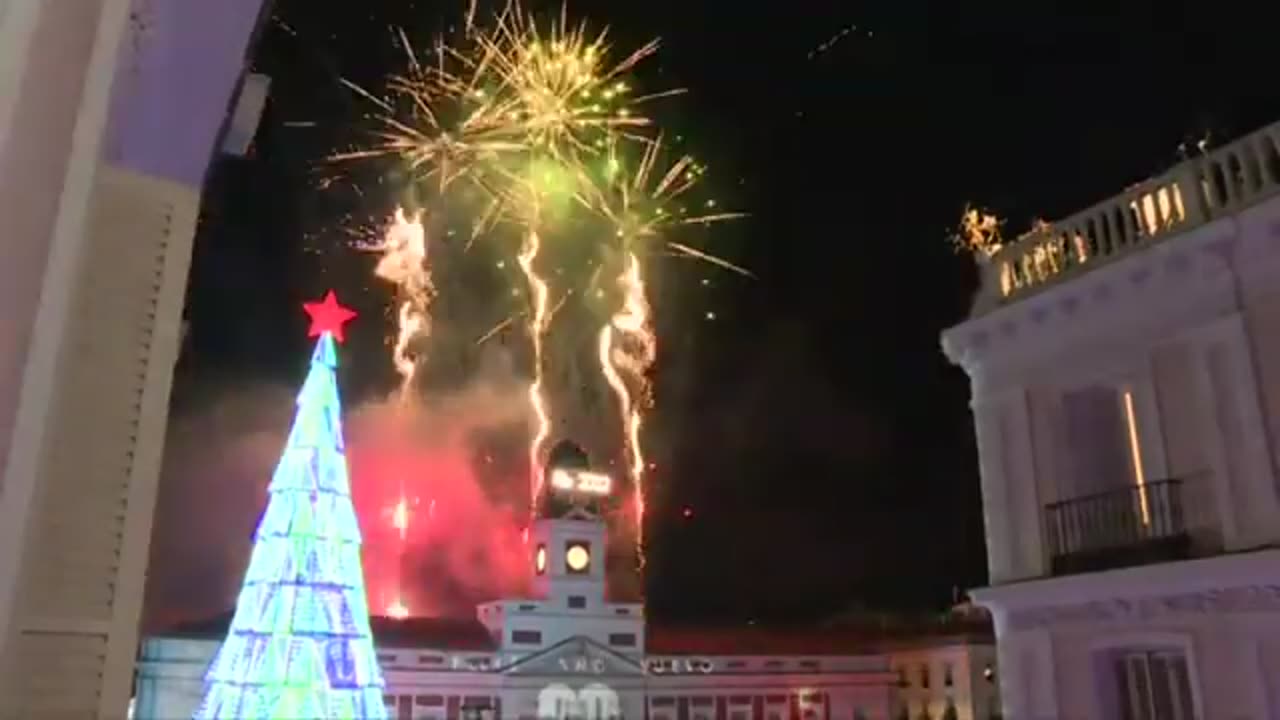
(567, 545)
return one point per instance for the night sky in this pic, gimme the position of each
(815, 449)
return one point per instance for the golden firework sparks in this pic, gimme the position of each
(628, 345)
(404, 264)
(979, 232)
(440, 120)
(527, 198)
(511, 319)
(566, 94)
(399, 514)
(644, 206)
(515, 87)
(537, 331)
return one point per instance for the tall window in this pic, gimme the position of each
(1153, 685)
(1097, 435)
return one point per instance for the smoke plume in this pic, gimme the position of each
(457, 458)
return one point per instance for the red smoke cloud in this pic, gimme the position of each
(459, 538)
(465, 452)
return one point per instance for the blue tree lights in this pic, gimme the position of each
(299, 646)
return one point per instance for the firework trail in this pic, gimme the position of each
(641, 212)
(566, 101)
(628, 346)
(398, 514)
(404, 264)
(403, 248)
(538, 321)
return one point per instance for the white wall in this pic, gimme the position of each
(92, 284)
(1164, 324)
(171, 681)
(969, 691)
(55, 81)
(1222, 612)
(1187, 319)
(171, 677)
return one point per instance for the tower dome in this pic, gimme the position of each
(557, 498)
(568, 455)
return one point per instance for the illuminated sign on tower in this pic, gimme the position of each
(581, 481)
(572, 486)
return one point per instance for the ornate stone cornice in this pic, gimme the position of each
(1149, 292)
(1218, 601)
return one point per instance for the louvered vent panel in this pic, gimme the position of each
(62, 675)
(113, 330)
(101, 410)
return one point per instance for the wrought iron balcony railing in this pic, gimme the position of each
(1136, 525)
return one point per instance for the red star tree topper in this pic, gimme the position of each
(327, 316)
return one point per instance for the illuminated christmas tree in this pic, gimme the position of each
(299, 646)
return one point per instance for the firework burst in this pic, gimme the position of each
(540, 119)
(644, 205)
(568, 98)
(443, 117)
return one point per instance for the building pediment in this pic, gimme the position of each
(576, 656)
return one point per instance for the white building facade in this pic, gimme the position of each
(1125, 371)
(568, 653)
(946, 678)
(109, 113)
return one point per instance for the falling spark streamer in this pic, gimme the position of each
(637, 206)
(404, 264)
(537, 329)
(628, 344)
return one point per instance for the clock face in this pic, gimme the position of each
(578, 558)
(540, 559)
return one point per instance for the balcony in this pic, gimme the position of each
(1217, 184)
(1137, 525)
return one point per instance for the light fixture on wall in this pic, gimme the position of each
(1135, 450)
